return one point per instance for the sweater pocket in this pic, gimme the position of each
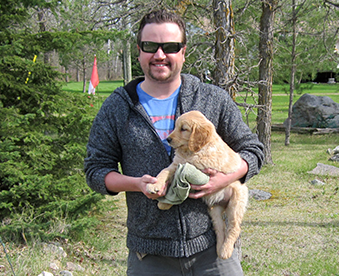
(146, 220)
(181, 222)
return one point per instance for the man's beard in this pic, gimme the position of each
(163, 78)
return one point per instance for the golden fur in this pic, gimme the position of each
(196, 141)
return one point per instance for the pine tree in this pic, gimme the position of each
(43, 136)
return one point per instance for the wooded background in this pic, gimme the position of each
(243, 46)
(217, 30)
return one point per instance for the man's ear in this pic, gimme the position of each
(139, 51)
(183, 53)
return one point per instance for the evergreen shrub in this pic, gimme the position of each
(43, 136)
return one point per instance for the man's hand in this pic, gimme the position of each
(149, 180)
(218, 181)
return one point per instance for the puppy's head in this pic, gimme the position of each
(192, 131)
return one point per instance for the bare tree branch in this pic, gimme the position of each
(331, 3)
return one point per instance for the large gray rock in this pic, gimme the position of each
(259, 194)
(315, 111)
(333, 151)
(334, 158)
(322, 169)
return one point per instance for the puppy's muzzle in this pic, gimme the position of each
(169, 140)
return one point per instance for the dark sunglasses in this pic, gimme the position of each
(168, 47)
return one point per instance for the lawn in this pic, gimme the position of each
(104, 88)
(296, 232)
(280, 97)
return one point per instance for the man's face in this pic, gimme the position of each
(159, 66)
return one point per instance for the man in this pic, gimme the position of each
(131, 129)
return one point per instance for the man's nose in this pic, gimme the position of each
(160, 53)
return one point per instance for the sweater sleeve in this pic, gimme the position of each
(103, 150)
(240, 138)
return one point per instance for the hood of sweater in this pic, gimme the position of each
(128, 92)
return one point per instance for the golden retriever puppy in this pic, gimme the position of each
(196, 141)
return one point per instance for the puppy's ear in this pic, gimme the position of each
(201, 134)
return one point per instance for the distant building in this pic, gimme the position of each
(324, 77)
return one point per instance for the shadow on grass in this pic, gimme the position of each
(109, 261)
(292, 223)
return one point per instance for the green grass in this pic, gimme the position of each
(296, 232)
(107, 87)
(320, 88)
(280, 99)
(104, 88)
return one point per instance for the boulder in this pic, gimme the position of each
(333, 151)
(259, 194)
(45, 273)
(317, 182)
(334, 158)
(54, 249)
(315, 111)
(323, 169)
(66, 273)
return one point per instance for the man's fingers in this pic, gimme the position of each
(196, 195)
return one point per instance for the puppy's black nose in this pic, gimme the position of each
(169, 139)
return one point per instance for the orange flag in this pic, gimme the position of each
(94, 78)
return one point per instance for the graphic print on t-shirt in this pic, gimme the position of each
(161, 124)
(161, 113)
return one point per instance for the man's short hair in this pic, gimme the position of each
(162, 16)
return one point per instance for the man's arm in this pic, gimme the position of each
(116, 182)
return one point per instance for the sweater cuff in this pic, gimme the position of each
(97, 182)
(252, 162)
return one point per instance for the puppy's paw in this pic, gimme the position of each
(226, 252)
(220, 247)
(152, 188)
(156, 187)
(164, 206)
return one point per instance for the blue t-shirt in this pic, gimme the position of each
(161, 112)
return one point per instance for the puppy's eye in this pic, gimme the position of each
(183, 129)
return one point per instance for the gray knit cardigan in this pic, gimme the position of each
(123, 133)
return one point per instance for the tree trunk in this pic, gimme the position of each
(43, 28)
(66, 74)
(127, 63)
(224, 46)
(109, 61)
(225, 55)
(84, 74)
(264, 119)
(293, 70)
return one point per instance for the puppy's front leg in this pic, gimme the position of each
(164, 176)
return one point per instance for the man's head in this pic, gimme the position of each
(162, 47)
(159, 17)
